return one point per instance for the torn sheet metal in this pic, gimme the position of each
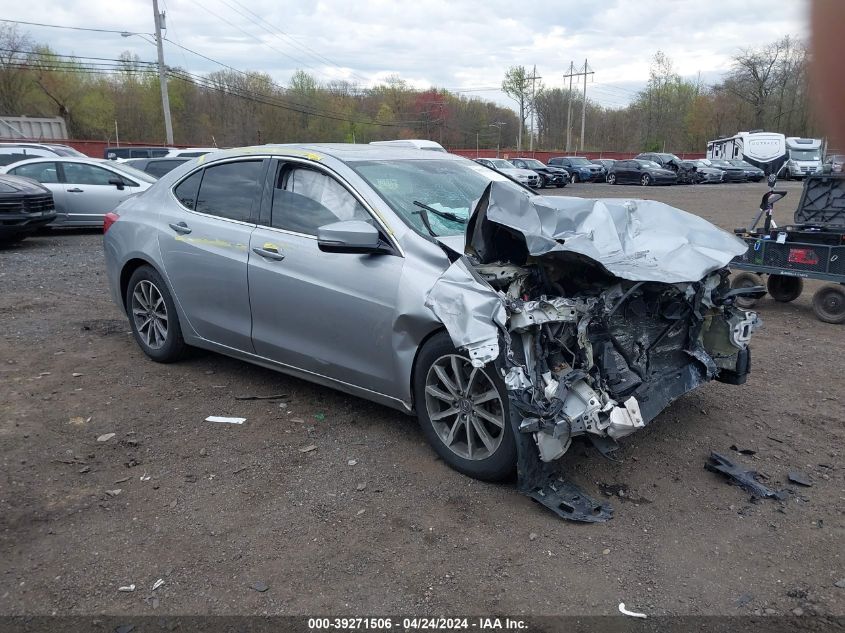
(638, 240)
(472, 311)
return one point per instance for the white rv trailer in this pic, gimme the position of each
(804, 156)
(766, 150)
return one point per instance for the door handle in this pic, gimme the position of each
(269, 253)
(75, 190)
(180, 227)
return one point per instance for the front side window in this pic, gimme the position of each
(82, 174)
(42, 172)
(305, 199)
(228, 190)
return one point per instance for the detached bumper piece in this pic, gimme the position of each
(745, 479)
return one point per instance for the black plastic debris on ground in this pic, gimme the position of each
(799, 478)
(743, 451)
(745, 479)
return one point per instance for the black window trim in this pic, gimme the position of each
(270, 184)
(256, 201)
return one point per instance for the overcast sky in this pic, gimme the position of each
(455, 44)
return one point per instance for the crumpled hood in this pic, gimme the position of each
(638, 240)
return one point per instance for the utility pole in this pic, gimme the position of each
(162, 75)
(572, 74)
(533, 79)
(498, 124)
(569, 109)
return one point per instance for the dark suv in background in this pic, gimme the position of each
(643, 172)
(580, 169)
(548, 175)
(25, 206)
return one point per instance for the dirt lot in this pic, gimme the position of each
(370, 522)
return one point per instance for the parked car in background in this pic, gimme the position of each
(606, 163)
(554, 176)
(522, 176)
(114, 153)
(156, 166)
(84, 189)
(834, 162)
(705, 173)
(14, 152)
(642, 172)
(732, 172)
(752, 173)
(684, 169)
(25, 206)
(580, 169)
(413, 143)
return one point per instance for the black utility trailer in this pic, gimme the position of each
(811, 248)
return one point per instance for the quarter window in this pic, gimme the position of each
(305, 199)
(186, 191)
(228, 190)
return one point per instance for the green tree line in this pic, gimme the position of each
(99, 98)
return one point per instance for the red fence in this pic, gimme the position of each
(544, 156)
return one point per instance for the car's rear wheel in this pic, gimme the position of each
(573, 178)
(152, 316)
(464, 411)
(611, 179)
(746, 280)
(829, 303)
(784, 288)
(645, 181)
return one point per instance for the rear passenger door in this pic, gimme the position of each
(204, 241)
(89, 194)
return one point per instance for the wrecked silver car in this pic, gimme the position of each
(511, 323)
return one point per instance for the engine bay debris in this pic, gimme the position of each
(745, 479)
(597, 314)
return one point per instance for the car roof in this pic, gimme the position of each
(344, 152)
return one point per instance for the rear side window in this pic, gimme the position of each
(306, 199)
(42, 172)
(228, 190)
(186, 191)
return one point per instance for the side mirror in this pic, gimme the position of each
(772, 180)
(350, 236)
(117, 182)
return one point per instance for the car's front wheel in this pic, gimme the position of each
(464, 412)
(611, 179)
(152, 316)
(541, 182)
(573, 178)
(645, 181)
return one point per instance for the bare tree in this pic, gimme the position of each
(517, 84)
(754, 75)
(15, 82)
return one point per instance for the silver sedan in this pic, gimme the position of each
(346, 265)
(84, 189)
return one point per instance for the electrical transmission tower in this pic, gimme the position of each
(570, 76)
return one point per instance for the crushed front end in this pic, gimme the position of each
(597, 315)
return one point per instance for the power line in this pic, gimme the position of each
(61, 26)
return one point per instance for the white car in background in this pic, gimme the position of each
(84, 189)
(523, 176)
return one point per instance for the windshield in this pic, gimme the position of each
(64, 150)
(649, 163)
(501, 163)
(718, 162)
(449, 186)
(131, 171)
(703, 163)
(741, 163)
(577, 162)
(805, 154)
(533, 163)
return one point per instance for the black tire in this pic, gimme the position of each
(645, 181)
(784, 288)
(829, 303)
(573, 178)
(746, 280)
(611, 179)
(500, 464)
(173, 346)
(542, 182)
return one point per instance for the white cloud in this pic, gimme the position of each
(448, 43)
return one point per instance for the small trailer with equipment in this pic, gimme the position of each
(811, 248)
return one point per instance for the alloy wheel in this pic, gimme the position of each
(149, 313)
(645, 180)
(465, 408)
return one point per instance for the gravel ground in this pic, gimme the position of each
(370, 522)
